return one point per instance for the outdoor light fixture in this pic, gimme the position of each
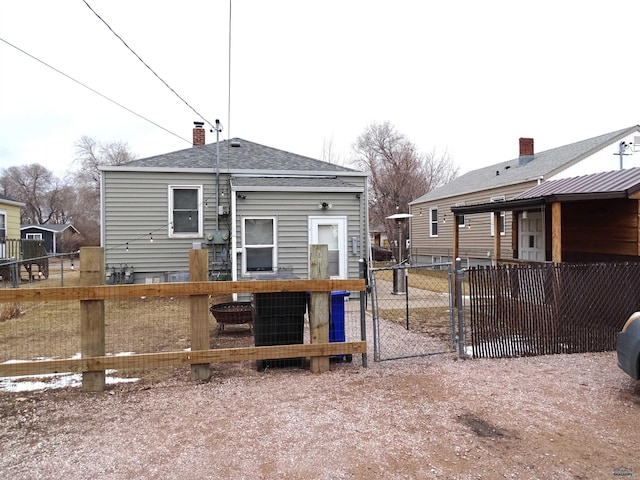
(400, 219)
(324, 206)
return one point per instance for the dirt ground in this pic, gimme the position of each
(553, 417)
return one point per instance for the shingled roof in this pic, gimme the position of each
(512, 172)
(234, 155)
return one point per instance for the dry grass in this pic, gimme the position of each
(35, 330)
(432, 321)
(425, 278)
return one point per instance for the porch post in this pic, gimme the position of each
(556, 232)
(496, 237)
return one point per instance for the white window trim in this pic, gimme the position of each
(432, 221)
(33, 236)
(3, 213)
(503, 215)
(200, 213)
(274, 259)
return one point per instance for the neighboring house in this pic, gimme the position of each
(50, 234)
(433, 223)
(379, 236)
(255, 208)
(589, 218)
(9, 227)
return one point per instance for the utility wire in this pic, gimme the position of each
(229, 92)
(95, 91)
(146, 65)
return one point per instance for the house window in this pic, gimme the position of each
(33, 236)
(460, 217)
(3, 226)
(185, 211)
(259, 242)
(433, 219)
(502, 216)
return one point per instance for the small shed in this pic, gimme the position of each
(50, 234)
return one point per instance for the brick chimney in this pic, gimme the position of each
(526, 150)
(198, 134)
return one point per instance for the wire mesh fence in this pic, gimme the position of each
(525, 310)
(32, 331)
(412, 312)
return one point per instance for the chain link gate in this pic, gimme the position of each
(412, 310)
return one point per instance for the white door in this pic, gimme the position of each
(531, 237)
(331, 231)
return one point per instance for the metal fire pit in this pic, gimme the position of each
(232, 313)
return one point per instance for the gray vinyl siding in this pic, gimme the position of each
(292, 211)
(475, 239)
(136, 206)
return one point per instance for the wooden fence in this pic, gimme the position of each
(523, 310)
(91, 295)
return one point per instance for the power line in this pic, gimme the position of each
(145, 64)
(229, 90)
(95, 91)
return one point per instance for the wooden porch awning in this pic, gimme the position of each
(598, 186)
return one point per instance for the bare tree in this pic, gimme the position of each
(38, 188)
(398, 173)
(90, 156)
(329, 154)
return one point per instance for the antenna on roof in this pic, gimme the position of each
(622, 148)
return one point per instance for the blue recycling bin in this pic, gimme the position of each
(336, 320)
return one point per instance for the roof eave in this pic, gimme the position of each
(510, 205)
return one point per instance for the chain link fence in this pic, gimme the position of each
(412, 311)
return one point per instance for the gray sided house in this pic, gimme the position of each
(50, 234)
(256, 210)
(432, 224)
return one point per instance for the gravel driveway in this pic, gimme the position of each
(554, 417)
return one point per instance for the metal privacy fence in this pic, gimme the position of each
(527, 310)
(411, 311)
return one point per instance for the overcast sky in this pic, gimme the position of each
(469, 77)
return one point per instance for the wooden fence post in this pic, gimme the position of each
(92, 316)
(319, 306)
(199, 312)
